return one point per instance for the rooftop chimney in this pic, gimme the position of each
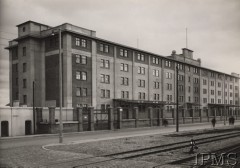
(187, 53)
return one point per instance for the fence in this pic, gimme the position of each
(89, 119)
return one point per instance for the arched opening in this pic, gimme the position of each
(28, 127)
(4, 129)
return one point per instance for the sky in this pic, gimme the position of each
(158, 26)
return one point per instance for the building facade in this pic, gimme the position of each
(100, 73)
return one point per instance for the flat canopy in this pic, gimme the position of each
(222, 105)
(144, 102)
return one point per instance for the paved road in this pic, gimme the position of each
(39, 140)
(27, 151)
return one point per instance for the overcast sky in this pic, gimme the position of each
(159, 25)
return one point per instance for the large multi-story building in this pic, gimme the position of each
(101, 73)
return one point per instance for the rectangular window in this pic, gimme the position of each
(124, 81)
(102, 78)
(169, 86)
(167, 63)
(155, 72)
(219, 84)
(141, 70)
(212, 74)
(180, 87)
(101, 47)
(195, 70)
(77, 42)
(84, 91)
(140, 57)
(168, 75)
(156, 85)
(204, 82)
(107, 79)
(236, 94)
(204, 91)
(180, 77)
(124, 67)
(124, 94)
(24, 67)
(107, 93)
(219, 101)
(77, 59)
(204, 100)
(125, 53)
(24, 99)
(106, 49)
(81, 75)
(156, 96)
(189, 89)
(24, 51)
(121, 52)
(155, 60)
(78, 76)
(78, 91)
(83, 43)
(24, 83)
(84, 75)
(141, 83)
(102, 93)
(105, 64)
(196, 99)
(212, 92)
(212, 83)
(219, 93)
(81, 59)
(196, 80)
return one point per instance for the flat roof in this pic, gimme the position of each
(122, 45)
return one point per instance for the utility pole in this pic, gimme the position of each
(60, 87)
(33, 107)
(225, 112)
(60, 84)
(177, 115)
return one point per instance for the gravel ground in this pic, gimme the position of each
(124, 144)
(76, 154)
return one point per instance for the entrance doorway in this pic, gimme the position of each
(4, 129)
(28, 127)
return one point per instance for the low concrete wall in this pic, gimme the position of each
(67, 114)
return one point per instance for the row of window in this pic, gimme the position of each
(212, 100)
(104, 48)
(81, 91)
(81, 42)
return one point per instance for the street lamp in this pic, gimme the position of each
(60, 85)
(177, 115)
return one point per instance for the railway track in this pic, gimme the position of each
(191, 160)
(131, 154)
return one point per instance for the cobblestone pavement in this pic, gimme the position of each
(28, 152)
